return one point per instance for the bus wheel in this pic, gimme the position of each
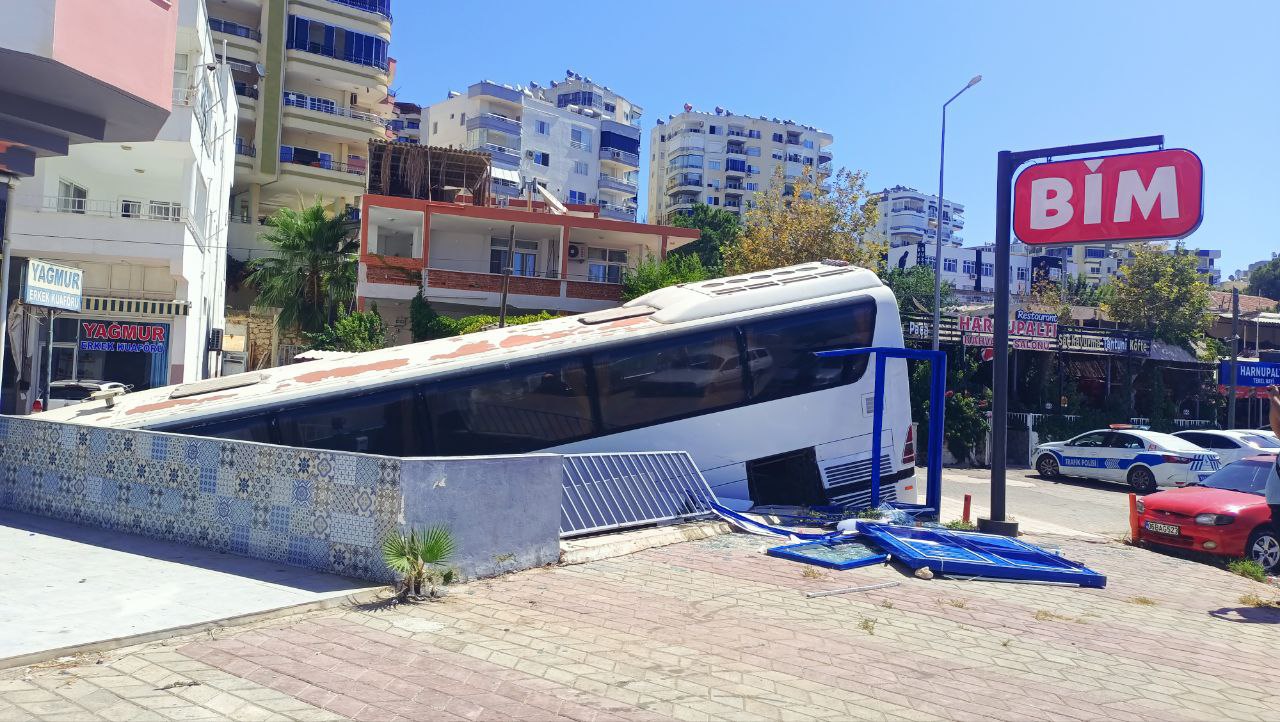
(1048, 467)
(1142, 480)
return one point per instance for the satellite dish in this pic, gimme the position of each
(660, 122)
(719, 110)
(687, 107)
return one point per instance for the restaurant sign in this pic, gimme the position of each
(1250, 373)
(1028, 331)
(1103, 341)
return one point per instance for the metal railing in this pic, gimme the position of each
(621, 156)
(246, 91)
(377, 7)
(335, 109)
(616, 491)
(580, 145)
(1193, 423)
(617, 179)
(153, 211)
(334, 165)
(246, 149)
(329, 51)
(233, 28)
(495, 148)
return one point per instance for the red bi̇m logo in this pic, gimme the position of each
(1128, 197)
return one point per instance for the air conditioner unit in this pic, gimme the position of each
(973, 276)
(577, 252)
(528, 154)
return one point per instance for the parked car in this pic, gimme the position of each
(66, 393)
(1145, 459)
(1226, 514)
(1233, 446)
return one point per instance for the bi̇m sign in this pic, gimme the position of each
(1130, 197)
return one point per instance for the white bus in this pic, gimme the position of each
(723, 369)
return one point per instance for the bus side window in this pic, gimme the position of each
(522, 409)
(382, 422)
(246, 428)
(667, 379)
(781, 349)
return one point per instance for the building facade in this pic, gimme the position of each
(1101, 263)
(723, 160)
(312, 80)
(146, 222)
(908, 217)
(971, 271)
(407, 124)
(576, 138)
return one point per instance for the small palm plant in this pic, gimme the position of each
(421, 559)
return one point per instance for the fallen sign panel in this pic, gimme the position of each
(847, 552)
(988, 556)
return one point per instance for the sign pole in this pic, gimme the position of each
(11, 186)
(48, 368)
(1235, 357)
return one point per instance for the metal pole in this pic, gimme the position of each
(937, 245)
(997, 523)
(1235, 357)
(11, 185)
(48, 368)
(506, 276)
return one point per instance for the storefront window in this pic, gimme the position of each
(127, 352)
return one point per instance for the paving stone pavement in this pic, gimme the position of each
(715, 630)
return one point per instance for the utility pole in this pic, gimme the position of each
(1235, 357)
(11, 186)
(507, 269)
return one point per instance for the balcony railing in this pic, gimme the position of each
(377, 7)
(620, 156)
(230, 28)
(580, 145)
(495, 148)
(334, 165)
(246, 149)
(617, 181)
(245, 90)
(736, 150)
(329, 51)
(335, 109)
(152, 211)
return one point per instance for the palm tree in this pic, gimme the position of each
(421, 559)
(312, 274)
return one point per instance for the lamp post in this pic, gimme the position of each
(937, 254)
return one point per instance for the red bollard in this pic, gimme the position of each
(1135, 526)
(968, 501)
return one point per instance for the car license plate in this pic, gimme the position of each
(1159, 528)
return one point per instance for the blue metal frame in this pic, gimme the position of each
(795, 552)
(937, 417)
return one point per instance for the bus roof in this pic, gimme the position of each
(653, 313)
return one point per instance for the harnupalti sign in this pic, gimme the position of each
(1129, 197)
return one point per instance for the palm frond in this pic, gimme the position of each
(436, 545)
(397, 552)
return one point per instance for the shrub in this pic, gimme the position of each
(421, 559)
(1247, 568)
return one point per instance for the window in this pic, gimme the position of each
(1094, 440)
(579, 138)
(777, 155)
(604, 265)
(526, 261)
(970, 267)
(247, 428)
(777, 137)
(753, 134)
(808, 144)
(71, 197)
(435, 127)
(753, 169)
(808, 160)
(1126, 441)
(384, 422)
(668, 379)
(164, 210)
(1249, 477)
(988, 269)
(713, 130)
(1094, 270)
(541, 158)
(130, 209)
(753, 186)
(949, 264)
(610, 108)
(1095, 253)
(1022, 273)
(577, 197)
(463, 119)
(713, 165)
(789, 367)
(713, 200)
(580, 167)
(753, 151)
(512, 411)
(413, 125)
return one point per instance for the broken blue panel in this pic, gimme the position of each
(988, 556)
(834, 553)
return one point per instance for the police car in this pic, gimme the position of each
(1144, 459)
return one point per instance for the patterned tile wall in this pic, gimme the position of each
(322, 510)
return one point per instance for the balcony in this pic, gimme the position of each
(377, 7)
(617, 183)
(228, 27)
(244, 90)
(825, 169)
(692, 180)
(617, 212)
(347, 56)
(733, 186)
(736, 150)
(493, 90)
(620, 156)
(493, 121)
(246, 149)
(337, 111)
(501, 154)
(334, 166)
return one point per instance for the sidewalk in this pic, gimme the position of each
(715, 630)
(67, 587)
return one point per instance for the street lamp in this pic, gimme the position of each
(937, 254)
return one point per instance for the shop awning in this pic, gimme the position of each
(1167, 353)
(1086, 368)
(506, 174)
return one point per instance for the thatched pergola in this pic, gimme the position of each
(426, 172)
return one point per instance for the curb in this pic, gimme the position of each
(361, 596)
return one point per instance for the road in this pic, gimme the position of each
(1059, 506)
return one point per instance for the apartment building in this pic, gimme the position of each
(407, 124)
(908, 217)
(1101, 263)
(722, 159)
(312, 80)
(146, 221)
(971, 270)
(578, 139)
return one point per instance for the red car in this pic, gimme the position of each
(1226, 514)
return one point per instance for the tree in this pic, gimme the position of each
(652, 273)
(359, 331)
(799, 220)
(1266, 280)
(720, 229)
(1161, 292)
(913, 287)
(311, 277)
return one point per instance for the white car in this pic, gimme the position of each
(1233, 445)
(1144, 459)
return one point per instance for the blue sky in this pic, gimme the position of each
(1206, 75)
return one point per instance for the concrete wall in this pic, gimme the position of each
(504, 510)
